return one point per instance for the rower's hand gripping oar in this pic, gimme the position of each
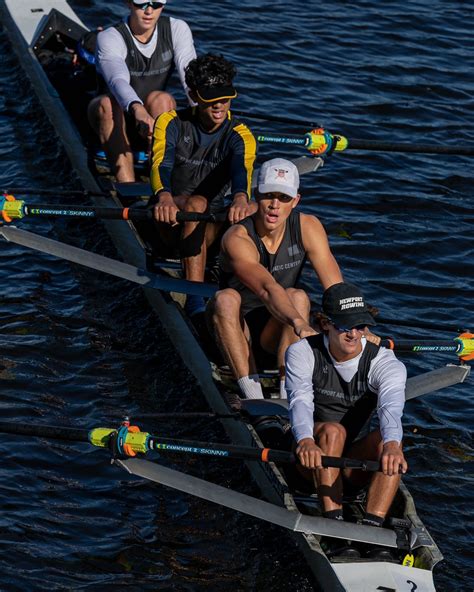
(128, 441)
(321, 142)
(16, 209)
(463, 346)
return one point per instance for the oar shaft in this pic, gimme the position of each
(140, 441)
(19, 209)
(143, 442)
(313, 140)
(220, 450)
(291, 139)
(356, 144)
(45, 431)
(48, 210)
(420, 347)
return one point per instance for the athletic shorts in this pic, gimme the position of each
(257, 320)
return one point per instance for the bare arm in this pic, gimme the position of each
(242, 257)
(316, 243)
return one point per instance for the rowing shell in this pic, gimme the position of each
(28, 28)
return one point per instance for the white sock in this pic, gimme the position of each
(283, 390)
(250, 386)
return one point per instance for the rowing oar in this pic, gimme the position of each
(320, 142)
(125, 271)
(463, 346)
(16, 209)
(130, 441)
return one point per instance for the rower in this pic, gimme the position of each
(335, 381)
(134, 60)
(198, 155)
(259, 310)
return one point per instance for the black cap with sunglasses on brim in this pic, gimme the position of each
(344, 305)
(211, 77)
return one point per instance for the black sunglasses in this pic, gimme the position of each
(154, 5)
(359, 328)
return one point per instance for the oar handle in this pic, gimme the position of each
(350, 463)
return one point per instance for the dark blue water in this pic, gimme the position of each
(76, 347)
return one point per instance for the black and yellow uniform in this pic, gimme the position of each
(186, 160)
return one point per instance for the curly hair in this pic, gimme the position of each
(209, 70)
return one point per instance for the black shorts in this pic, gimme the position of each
(257, 320)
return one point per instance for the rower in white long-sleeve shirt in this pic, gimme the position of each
(134, 60)
(335, 382)
(134, 86)
(386, 379)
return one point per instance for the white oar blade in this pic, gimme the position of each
(234, 500)
(435, 380)
(105, 264)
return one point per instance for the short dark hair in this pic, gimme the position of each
(209, 70)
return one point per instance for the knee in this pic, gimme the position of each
(226, 304)
(101, 108)
(332, 434)
(158, 102)
(196, 203)
(299, 299)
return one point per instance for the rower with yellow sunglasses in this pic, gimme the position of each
(134, 60)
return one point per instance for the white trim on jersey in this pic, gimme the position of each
(111, 53)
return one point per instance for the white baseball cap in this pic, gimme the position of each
(279, 176)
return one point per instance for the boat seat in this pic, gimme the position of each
(267, 407)
(136, 189)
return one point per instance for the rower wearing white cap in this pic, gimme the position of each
(259, 310)
(134, 60)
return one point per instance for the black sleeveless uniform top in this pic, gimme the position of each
(149, 74)
(285, 265)
(350, 404)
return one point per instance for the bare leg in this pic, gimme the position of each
(382, 488)
(232, 333)
(330, 437)
(107, 119)
(300, 301)
(194, 247)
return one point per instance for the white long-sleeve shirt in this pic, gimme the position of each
(387, 378)
(111, 52)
